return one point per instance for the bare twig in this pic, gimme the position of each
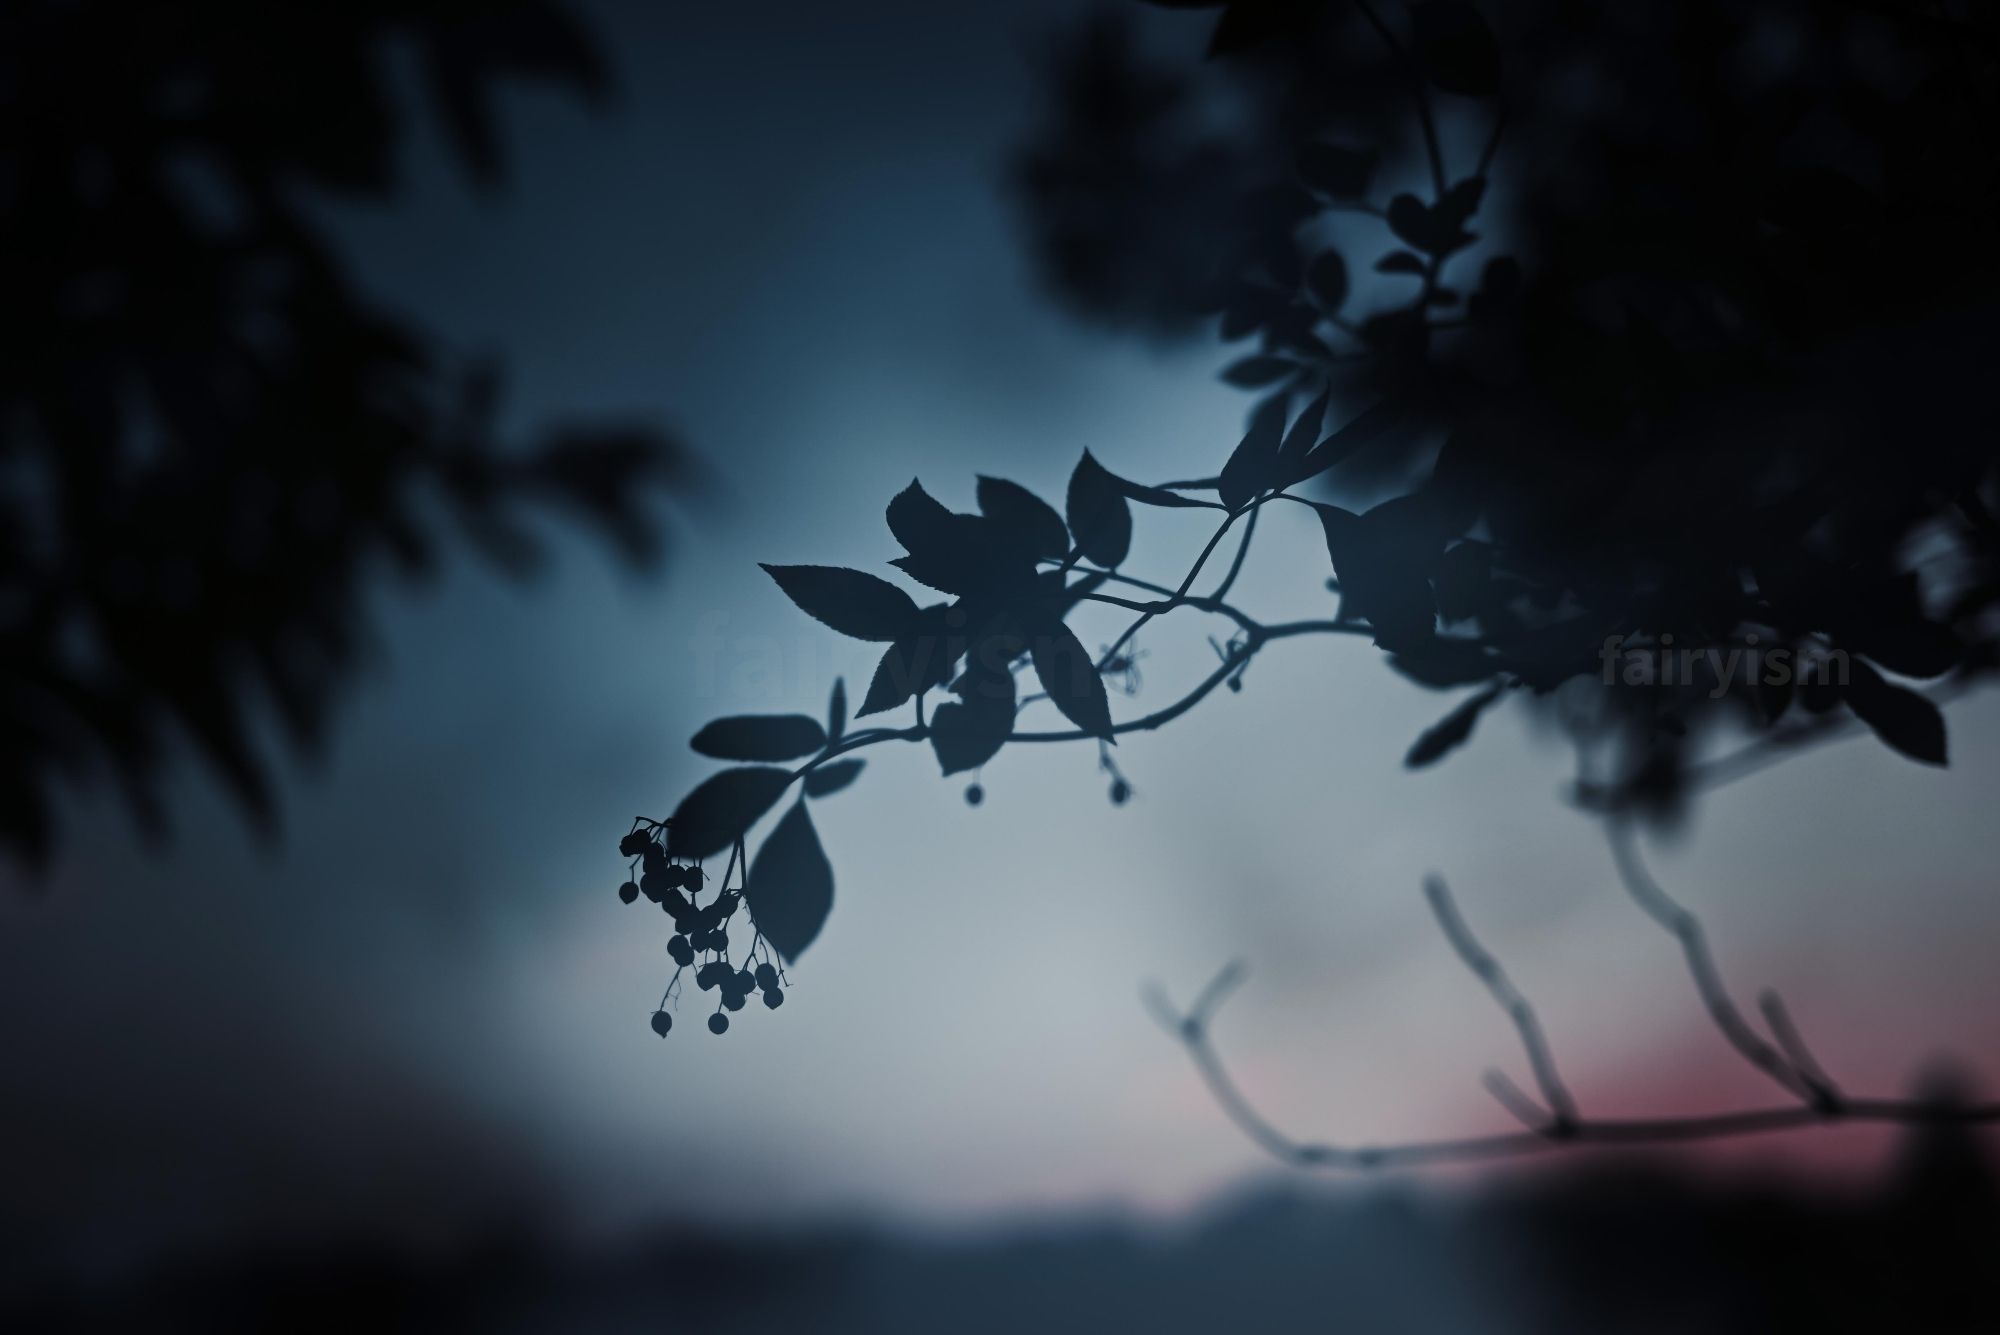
(1193, 1030)
(1561, 1107)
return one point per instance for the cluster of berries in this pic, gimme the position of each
(701, 931)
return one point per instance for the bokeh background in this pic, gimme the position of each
(417, 1021)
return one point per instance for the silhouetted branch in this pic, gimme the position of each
(1561, 1108)
(1557, 1125)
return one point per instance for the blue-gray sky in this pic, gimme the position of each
(425, 1009)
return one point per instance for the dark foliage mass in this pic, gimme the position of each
(208, 437)
(1653, 334)
(1622, 1248)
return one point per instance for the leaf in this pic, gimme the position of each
(1254, 372)
(1382, 560)
(790, 885)
(1252, 466)
(920, 523)
(1344, 173)
(831, 778)
(1450, 732)
(760, 737)
(1361, 430)
(911, 665)
(1456, 48)
(1024, 517)
(848, 601)
(1299, 440)
(968, 732)
(1401, 261)
(1099, 517)
(1069, 674)
(1899, 716)
(836, 711)
(1327, 277)
(722, 809)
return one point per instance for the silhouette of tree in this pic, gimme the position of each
(208, 437)
(1662, 326)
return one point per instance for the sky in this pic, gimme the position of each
(424, 1011)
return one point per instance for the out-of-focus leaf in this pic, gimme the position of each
(1449, 732)
(1255, 372)
(760, 737)
(1300, 438)
(1401, 261)
(848, 601)
(1327, 277)
(790, 885)
(1372, 423)
(722, 809)
(1899, 716)
(830, 778)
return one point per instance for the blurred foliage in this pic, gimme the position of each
(208, 438)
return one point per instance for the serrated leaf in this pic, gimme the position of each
(1024, 516)
(911, 665)
(848, 601)
(920, 523)
(760, 737)
(1099, 518)
(1905, 720)
(790, 885)
(830, 778)
(1069, 675)
(1450, 732)
(722, 809)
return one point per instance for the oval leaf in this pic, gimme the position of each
(760, 737)
(790, 885)
(1069, 674)
(848, 601)
(1099, 517)
(1328, 280)
(1252, 467)
(830, 779)
(722, 809)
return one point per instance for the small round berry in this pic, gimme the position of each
(733, 1000)
(655, 858)
(746, 982)
(766, 975)
(706, 976)
(662, 1022)
(773, 998)
(633, 844)
(1121, 792)
(1236, 683)
(974, 795)
(718, 1023)
(682, 952)
(628, 892)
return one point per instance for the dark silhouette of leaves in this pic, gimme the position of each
(1327, 277)
(790, 886)
(760, 737)
(722, 808)
(1099, 518)
(848, 601)
(1254, 372)
(831, 777)
(1372, 424)
(1069, 675)
(968, 732)
(1450, 732)
(912, 665)
(1025, 517)
(1896, 714)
